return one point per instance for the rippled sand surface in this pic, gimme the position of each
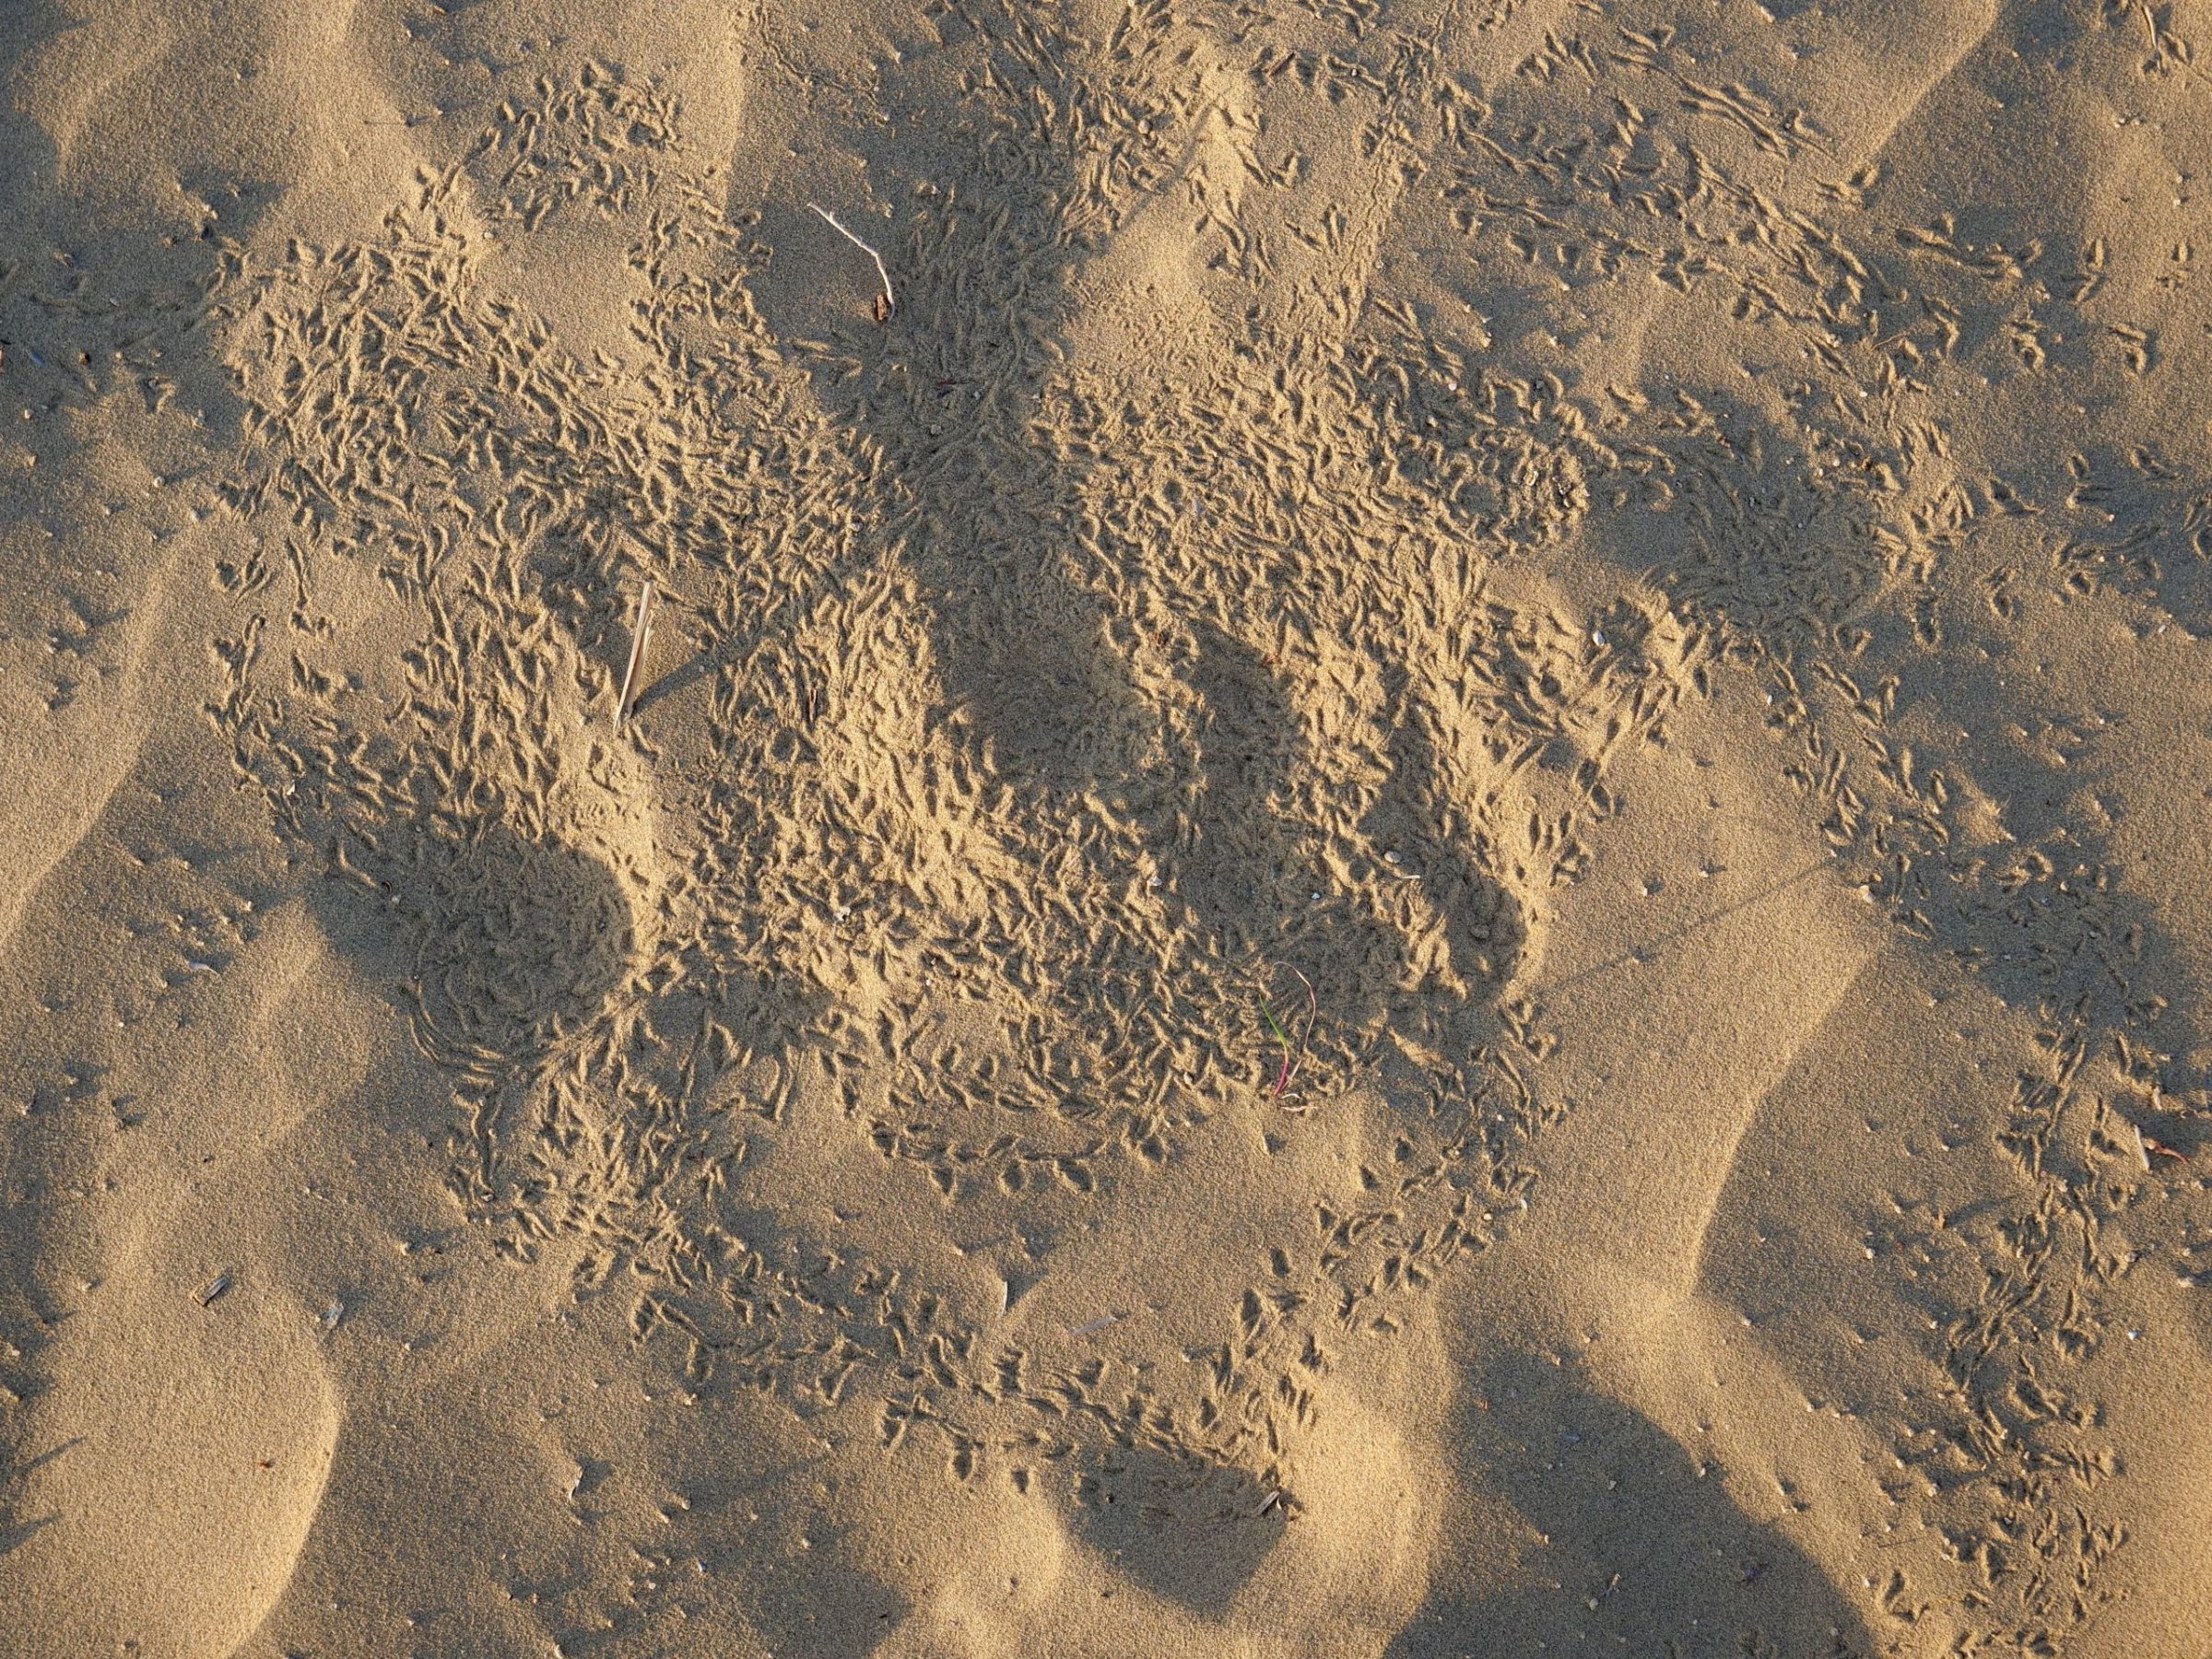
(1251, 827)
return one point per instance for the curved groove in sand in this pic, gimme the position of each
(1804, 1037)
(49, 813)
(284, 1546)
(1941, 68)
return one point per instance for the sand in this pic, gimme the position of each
(1410, 861)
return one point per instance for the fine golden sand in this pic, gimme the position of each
(1266, 828)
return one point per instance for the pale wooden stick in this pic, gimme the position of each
(640, 627)
(890, 303)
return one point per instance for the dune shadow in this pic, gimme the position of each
(1640, 1548)
(1187, 1529)
(502, 941)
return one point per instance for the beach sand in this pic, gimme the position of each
(1409, 857)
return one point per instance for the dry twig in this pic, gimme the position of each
(640, 629)
(888, 304)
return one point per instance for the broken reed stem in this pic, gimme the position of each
(889, 302)
(640, 627)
